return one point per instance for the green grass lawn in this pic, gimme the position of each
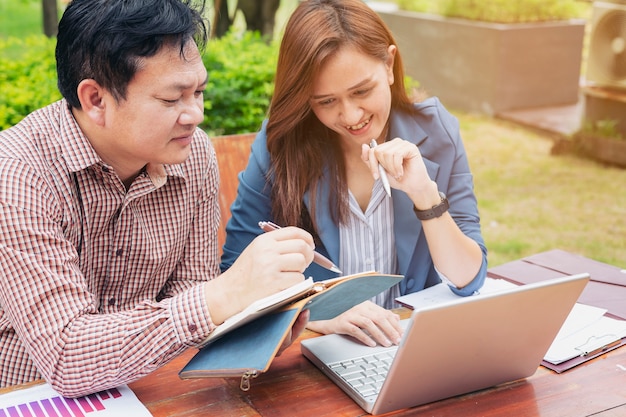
(531, 201)
(20, 18)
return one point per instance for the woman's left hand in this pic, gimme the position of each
(296, 329)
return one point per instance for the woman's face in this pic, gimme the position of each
(352, 95)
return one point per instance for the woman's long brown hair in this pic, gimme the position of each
(301, 148)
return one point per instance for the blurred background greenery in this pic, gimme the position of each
(530, 200)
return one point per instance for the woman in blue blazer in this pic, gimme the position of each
(339, 84)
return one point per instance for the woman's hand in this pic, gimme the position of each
(454, 254)
(296, 329)
(405, 169)
(367, 322)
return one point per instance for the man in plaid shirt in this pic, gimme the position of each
(109, 208)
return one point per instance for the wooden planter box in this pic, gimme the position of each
(602, 103)
(607, 150)
(490, 67)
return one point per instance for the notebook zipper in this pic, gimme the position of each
(245, 379)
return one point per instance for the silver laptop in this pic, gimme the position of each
(451, 348)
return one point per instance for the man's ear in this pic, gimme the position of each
(91, 97)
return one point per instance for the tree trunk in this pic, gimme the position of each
(50, 17)
(222, 21)
(260, 15)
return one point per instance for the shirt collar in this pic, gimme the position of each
(77, 149)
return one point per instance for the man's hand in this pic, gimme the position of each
(272, 262)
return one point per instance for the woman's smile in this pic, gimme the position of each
(360, 125)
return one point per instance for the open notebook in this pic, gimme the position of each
(451, 348)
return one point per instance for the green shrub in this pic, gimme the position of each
(500, 11)
(421, 6)
(27, 79)
(241, 81)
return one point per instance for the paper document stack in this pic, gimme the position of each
(586, 331)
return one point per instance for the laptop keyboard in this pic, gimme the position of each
(366, 374)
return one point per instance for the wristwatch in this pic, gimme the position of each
(435, 211)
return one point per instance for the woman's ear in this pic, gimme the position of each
(391, 57)
(91, 97)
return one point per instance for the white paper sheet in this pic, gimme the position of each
(586, 338)
(441, 292)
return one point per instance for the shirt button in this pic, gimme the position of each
(105, 169)
(112, 301)
(192, 328)
(119, 252)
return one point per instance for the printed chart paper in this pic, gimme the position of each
(43, 401)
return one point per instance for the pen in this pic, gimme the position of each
(318, 258)
(603, 348)
(382, 172)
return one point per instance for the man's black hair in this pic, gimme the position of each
(105, 40)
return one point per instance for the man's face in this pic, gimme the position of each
(156, 121)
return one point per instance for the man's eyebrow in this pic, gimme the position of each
(181, 86)
(354, 87)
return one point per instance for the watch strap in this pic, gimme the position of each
(435, 211)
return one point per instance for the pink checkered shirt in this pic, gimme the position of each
(99, 286)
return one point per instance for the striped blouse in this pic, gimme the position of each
(367, 242)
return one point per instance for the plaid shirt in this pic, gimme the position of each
(99, 286)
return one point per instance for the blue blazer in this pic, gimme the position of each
(436, 132)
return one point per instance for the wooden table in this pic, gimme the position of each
(294, 387)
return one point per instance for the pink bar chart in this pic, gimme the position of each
(43, 401)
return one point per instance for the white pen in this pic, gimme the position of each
(382, 172)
